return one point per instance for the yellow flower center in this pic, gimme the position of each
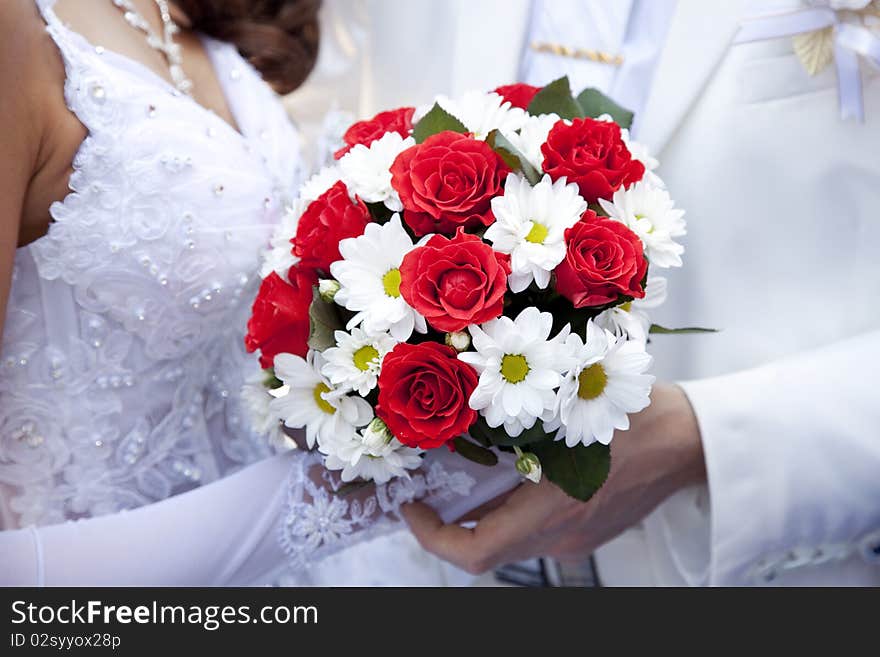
(514, 368)
(365, 356)
(391, 282)
(626, 307)
(537, 234)
(322, 403)
(640, 217)
(591, 381)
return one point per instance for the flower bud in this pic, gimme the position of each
(529, 466)
(377, 435)
(327, 288)
(458, 340)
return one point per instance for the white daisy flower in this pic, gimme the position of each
(606, 383)
(279, 256)
(256, 399)
(366, 170)
(651, 214)
(312, 403)
(369, 279)
(530, 225)
(532, 136)
(631, 319)
(519, 367)
(318, 184)
(481, 113)
(640, 152)
(355, 360)
(372, 454)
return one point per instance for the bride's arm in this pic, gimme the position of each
(19, 146)
(239, 530)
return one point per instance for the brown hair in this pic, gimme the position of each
(279, 37)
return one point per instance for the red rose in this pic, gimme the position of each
(592, 154)
(603, 260)
(423, 394)
(446, 182)
(455, 282)
(279, 320)
(366, 132)
(518, 95)
(327, 220)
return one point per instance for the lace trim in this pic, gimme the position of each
(319, 519)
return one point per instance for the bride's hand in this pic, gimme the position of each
(661, 453)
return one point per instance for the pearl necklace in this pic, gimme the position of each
(164, 44)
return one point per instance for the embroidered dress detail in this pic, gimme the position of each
(122, 356)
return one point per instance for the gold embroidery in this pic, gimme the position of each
(560, 50)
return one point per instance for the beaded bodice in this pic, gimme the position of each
(122, 355)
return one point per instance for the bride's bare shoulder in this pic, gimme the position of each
(25, 46)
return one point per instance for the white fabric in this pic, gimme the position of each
(227, 533)
(782, 248)
(634, 29)
(122, 350)
(122, 359)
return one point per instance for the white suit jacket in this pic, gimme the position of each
(783, 255)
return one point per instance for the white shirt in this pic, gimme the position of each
(634, 29)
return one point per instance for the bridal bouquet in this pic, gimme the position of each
(471, 276)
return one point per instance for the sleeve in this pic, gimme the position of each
(236, 531)
(792, 454)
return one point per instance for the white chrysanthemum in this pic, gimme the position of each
(607, 382)
(257, 399)
(366, 170)
(631, 319)
(355, 360)
(319, 183)
(313, 404)
(279, 256)
(519, 367)
(640, 152)
(369, 276)
(532, 136)
(651, 214)
(481, 113)
(530, 225)
(372, 454)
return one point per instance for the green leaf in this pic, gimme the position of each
(556, 98)
(656, 329)
(436, 121)
(595, 104)
(473, 452)
(512, 156)
(486, 435)
(271, 381)
(579, 471)
(323, 321)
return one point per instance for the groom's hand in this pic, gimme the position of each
(658, 455)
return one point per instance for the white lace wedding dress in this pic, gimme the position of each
(121, 433)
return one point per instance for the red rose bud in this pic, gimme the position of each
(448, 181)
(592, 154)
(455, 282)
(366, 132)
(518, 95)
(603, 260)
(332, 217)
(279, 320)
(423, 394)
